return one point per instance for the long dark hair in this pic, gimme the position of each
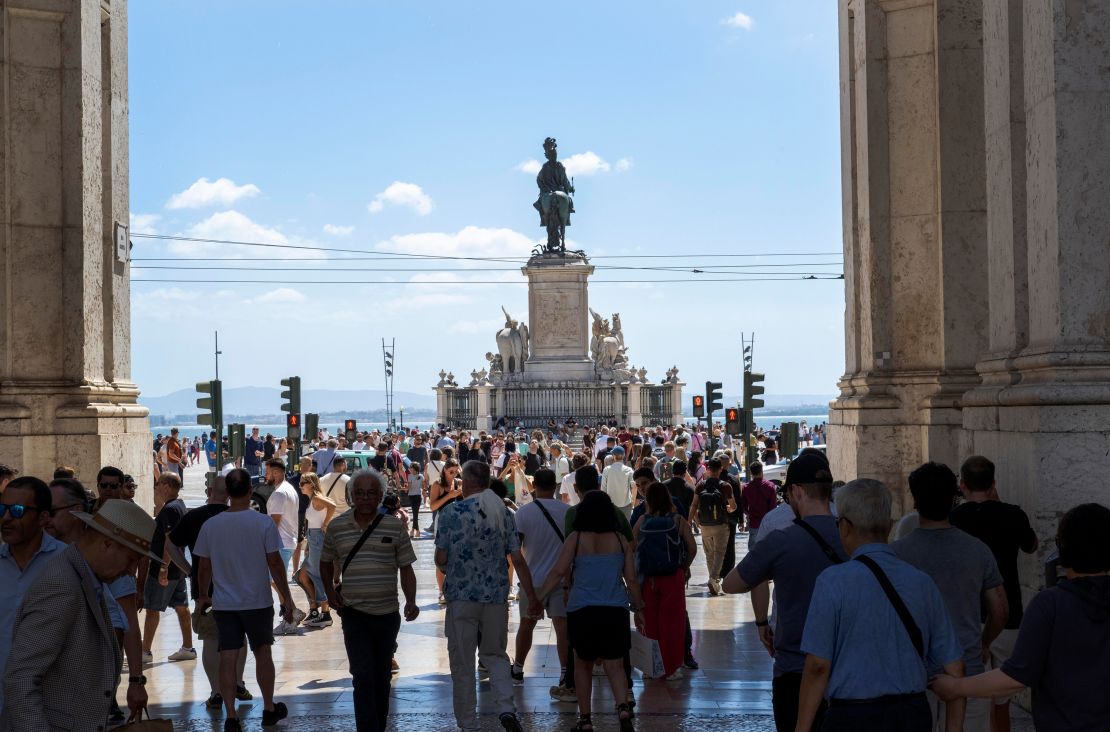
(595, 513)
(449, 463)
(659, 500)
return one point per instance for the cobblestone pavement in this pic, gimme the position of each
(731, 690)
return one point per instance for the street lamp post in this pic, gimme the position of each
(402, 411)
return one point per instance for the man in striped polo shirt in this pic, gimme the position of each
(366, 597)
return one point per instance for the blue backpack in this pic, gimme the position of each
(661, 551)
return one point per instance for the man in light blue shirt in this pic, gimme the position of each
(860, 653)
(24, 511)
(212, 452)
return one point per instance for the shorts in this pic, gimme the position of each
(555, 606)
(157, 598)
(599, 632)
(1001, 650)
(256, 625)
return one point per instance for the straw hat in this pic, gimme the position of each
(124, 522)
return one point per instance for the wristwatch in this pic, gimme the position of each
(140, 680)
(762, 623)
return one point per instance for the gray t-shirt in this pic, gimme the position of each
(538, 540)
(963, 568)
(793, 559)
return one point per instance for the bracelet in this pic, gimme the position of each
(140, 680)
(761, 623)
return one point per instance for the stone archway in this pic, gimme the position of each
(976, 181)
(66, 396)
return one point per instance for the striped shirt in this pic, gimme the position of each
(370, 582)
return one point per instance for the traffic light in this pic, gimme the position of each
(291, 395)
(293, 427)
(752, 388)
(236, 440)
(699, 406)
(350, 427)
(713, 397)
(311, 426)
(213, 403)
(732, 422)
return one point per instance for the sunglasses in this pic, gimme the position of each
(15, 509)
(109, 485)
(68, 506)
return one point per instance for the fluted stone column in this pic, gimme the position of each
(914, 236)
(1043, 412)
(635, 410)
(66, 396)
(485, 406)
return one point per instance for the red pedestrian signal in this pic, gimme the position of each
(699, 406)
(293, 420)
(293, 427)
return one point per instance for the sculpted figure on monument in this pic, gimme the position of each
(554, 204)
(512, 344)
(495, 366)
(607, 345)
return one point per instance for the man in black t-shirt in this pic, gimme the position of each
(163, 585)
(1004, 528)
(678, 486)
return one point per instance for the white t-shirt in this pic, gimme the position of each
(600, 443)
(541, 545)
(561, 466)
(566, 488)
(314, 518)
(334, 486)
(237, 542)
(284, 502)
(433, 471)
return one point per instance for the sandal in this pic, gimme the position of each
(624, 712)
(584, 724)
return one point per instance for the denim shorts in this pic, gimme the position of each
(157, 598)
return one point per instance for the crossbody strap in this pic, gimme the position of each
(829, 552)
(361, 540)
(332, 486)
(899, 606)
(550, 520)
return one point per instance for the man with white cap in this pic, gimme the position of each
(617, 482)
(64, 661)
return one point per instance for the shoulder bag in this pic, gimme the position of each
(358, 545)
(829, 552)
(899, 606)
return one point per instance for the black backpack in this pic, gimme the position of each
(660, 551)
(711, 504)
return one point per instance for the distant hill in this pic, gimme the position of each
(777, 401)
(266, 400)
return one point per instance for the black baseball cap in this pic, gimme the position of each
(808, 467)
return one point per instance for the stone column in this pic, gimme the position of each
(1044, 409)
(558, 319)
(66, 396)
(485, 416)
(676, 402)
(914, 239)
(635, 410)
(441, 405)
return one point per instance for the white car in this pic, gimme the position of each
(777, 472)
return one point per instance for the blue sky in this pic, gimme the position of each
(697, 127)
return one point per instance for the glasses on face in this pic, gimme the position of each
(108, 486)
(55, 511)
(15, 509)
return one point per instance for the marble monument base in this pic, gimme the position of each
(558, 370)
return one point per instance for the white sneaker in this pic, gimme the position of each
(284, 628)
(298, 616)
(678, 674)
(148, 658)
(184, 654)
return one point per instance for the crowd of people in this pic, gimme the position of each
(871, 625)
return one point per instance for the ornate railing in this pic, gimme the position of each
(655, 405)
(535, 407)
(462, 408)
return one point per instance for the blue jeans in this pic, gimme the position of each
(312, 563)
(286, 556)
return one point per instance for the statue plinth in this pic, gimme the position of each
(558, 307)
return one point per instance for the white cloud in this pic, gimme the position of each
(144, 223)
(336, 230)
(232, 226)
(204, 193)
(472, 241)
(281, 295)
(409, 195)
(586, 163)
(739, 20)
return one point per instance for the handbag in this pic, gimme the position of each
(148, 724)
(646, 656)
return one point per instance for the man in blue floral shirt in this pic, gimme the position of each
(473, 538)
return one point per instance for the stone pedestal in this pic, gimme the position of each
(635, 416)
(66, 396)
(558, 319)
(485, 407)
